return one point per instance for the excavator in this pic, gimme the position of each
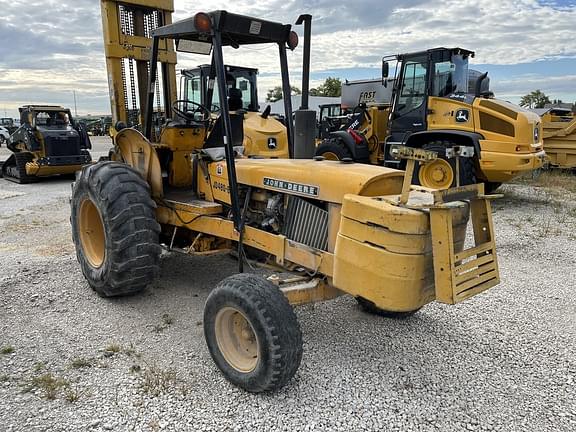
(190, 188)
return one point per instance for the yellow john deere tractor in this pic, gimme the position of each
(48, 142)
(430, 107)
(329, 228)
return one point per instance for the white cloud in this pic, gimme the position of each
(55, 47)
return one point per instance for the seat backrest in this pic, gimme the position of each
(235, 99)
(215, 138)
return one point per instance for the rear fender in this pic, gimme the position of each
(135, 150)
(418, 139)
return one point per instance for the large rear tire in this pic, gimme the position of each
(114, 229)
(252, 333)
(333, 149)
(441, 173)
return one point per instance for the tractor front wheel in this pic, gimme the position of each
(252, 333)
(114, 229)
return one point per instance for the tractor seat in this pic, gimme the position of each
(214, 145)
(235, 99)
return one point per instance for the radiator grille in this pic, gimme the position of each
(306, 223)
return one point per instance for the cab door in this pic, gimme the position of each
(410, 106)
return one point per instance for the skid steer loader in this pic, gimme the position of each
(48, 142)
(367, 233)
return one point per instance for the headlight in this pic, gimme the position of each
(536, 132)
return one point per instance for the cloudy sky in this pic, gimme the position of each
(50, 48)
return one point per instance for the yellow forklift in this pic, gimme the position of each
(430, 106)
(367, 233)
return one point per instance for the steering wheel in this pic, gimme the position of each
(198, 114)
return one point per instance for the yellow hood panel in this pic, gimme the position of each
(323, 180)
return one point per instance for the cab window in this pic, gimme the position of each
(413, 88)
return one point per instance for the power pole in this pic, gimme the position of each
(75, 107)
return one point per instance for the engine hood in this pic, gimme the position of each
(322, 180)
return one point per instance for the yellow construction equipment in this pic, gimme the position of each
(328, 227)
(560, 137)
(48, 142)
(429, 105)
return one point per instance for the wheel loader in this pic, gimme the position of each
(368, 233)
(48, 142)
(430, 106)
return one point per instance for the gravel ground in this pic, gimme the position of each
(504, 360)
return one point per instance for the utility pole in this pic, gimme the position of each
(75, 107)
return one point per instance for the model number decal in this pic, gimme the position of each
(291, 186)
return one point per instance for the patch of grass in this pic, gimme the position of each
(79, 363)
(135, 368)
(4, 378)
(8, 349)
(40, 366)
(49, 385)
(131, 351)
(156, 380)
(554, 179)
(167, 319)
(112, 349)
(73, 394)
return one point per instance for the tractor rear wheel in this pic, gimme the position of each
(114, 229)
(333, 149)
(371, 308)
(441, 173)
(252, 333)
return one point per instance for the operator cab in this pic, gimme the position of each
(240, 82)
(438, 72)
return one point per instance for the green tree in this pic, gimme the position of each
(276, 93)
(535, 99)
(331, 87)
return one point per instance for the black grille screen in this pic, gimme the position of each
(62, 145)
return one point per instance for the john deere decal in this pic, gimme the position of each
(287, 186)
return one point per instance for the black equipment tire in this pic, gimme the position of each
(114, 229)
(371, 308)
(490, 187)
(333, 149)
(467, 167)
(267, 352)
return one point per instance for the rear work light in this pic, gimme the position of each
(202, 22)
(292, 40)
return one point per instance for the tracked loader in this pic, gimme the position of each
(367, 233)
(48, 142)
